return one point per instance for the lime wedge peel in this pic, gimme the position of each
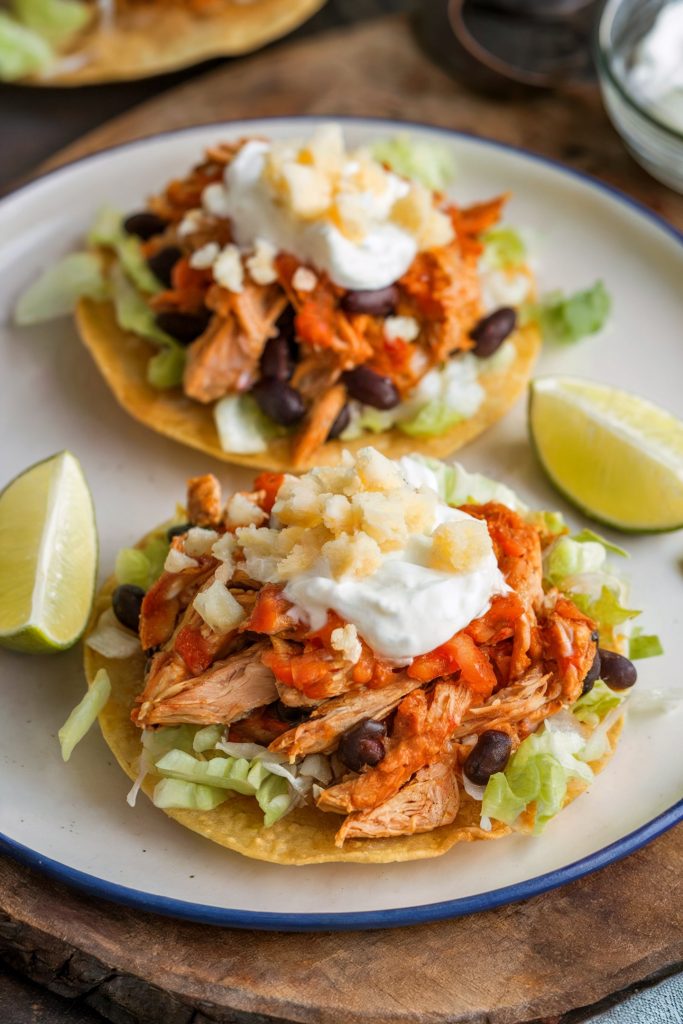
(48, 556)
(617, 456)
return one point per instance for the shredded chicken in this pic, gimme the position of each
(204, 501)
(419, 732)
(226, 692)
(332, 718)
(429, 800)
(225, 357)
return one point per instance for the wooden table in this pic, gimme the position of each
(596, 937)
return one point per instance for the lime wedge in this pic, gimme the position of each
(615, 455)
(48, 556)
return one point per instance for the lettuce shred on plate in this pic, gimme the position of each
(565, 319)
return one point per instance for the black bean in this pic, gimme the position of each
(162, 263)
(184, 327)
(127, 602)
(595, 636)
(490, 333)
(279, 400)
(341, 423)
(363, 745)
(177, 531)
(290, 714)
(592, 675)
(371, 388)
(276, 360)
(489, 755)
(378, 302)
(617, 671)
(144, 225)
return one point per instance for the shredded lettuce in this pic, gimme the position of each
(165, 369)
(567, 319)
(58, 289)
(433, 419)
(242, 427)
(132, 312)
(590, 535)
(570, 557)
(131, 567)
(207, 738)
(188, 796)
(430, 163)
(111, 639)
(548, 522)
(607, 609)
(596, 704)
(503, 248)
(108, 231)
(254, 777)
(640, 646)
(456, 486)
(442, 398)
(539, 772)
(84, 714)
(54, 20)
(274, 798)
(158, 741)
(22, 51)
(142, 566)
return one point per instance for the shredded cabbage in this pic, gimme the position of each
(54, 20)
(84, 714)
(430, 163)
(58, 289)
(22, 51)
(596, 704)
(275, 799)
(538, 772)
(566, 319)
(442, 399)
(503, 248)
(108, 231)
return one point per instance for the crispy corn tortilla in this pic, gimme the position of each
(306, 835)
(122, 360)
(162, 38)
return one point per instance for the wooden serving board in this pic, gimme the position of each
(528, 962)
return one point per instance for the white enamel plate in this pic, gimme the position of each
(72, 820)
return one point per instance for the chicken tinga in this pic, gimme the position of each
(368, 662)
(290, 298)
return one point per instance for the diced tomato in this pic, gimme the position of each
(271, 484)
(459, 654)
(186, 278)
(192, 648)
(269, 614)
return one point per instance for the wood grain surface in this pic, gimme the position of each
(528, 962)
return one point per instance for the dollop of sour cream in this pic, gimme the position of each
(656, 74)
(405, 608)
(376, 260)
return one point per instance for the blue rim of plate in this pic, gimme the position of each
(353, 921)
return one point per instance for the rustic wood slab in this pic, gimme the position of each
(532, 961)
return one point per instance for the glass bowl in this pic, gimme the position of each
(655, 144)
